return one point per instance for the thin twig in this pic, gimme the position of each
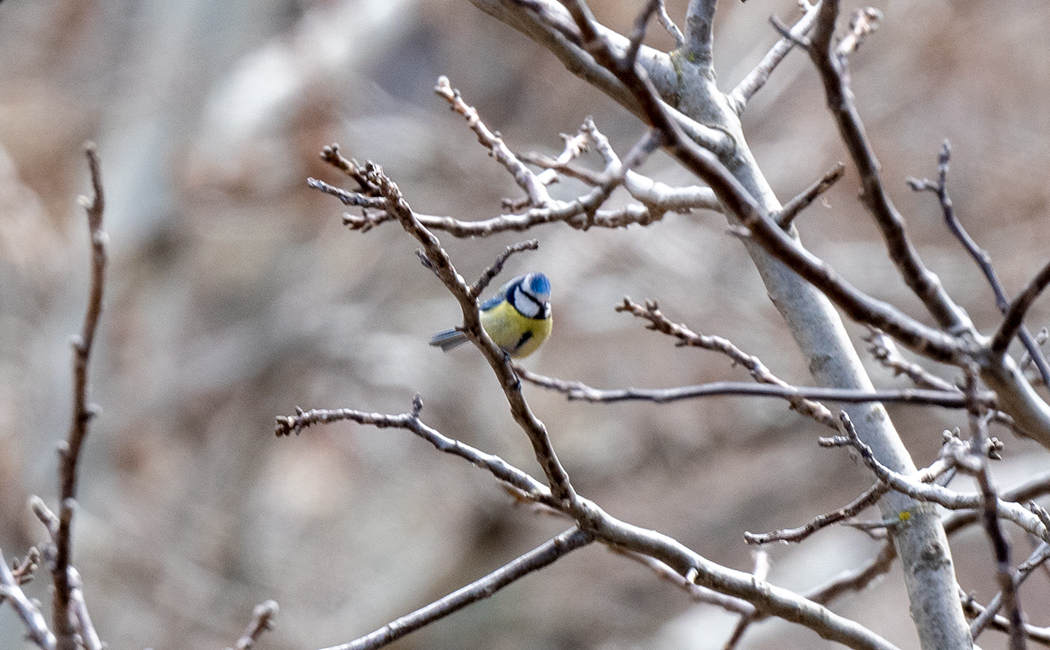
(536, 559)
(855, 580)
(574, 390)
(1013, 318)
(978, 254)
(832, 64)
(660, 323)
(695, 592)
(523, 176)
(80, 620)
(641, 25)
(557, 166)
(499, 468)
(573, 148)
(862, 23)
(795, 206)
(354, 199)
(869, 498)
(83, 411)
(1014, 624)
(83, 627)
(974, 609)
(262, 620)
(668, 24)
(33, 620)
(884, 350)
(990, 519)
(1040, 339)
(330, 154)
(496, 267)
(933, 493)
(757, 78)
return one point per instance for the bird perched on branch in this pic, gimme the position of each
(517, 318)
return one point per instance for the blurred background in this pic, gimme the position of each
(235, 294)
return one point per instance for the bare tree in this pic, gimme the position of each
(950, 364)
(71, 626)
(689, 117)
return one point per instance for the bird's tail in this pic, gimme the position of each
(448, 339)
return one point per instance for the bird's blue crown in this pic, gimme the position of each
(539, 284)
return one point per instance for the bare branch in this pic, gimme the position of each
(756, 79)
(1030, 489)
(83, 411)
(83, 628)
(695, 592)
(555, 166)
(547, 22)
(990, 518)
(83, 625)
(933, 493)
(833, 67)
(795, 206)
(641, 25)
(766, 598)
(1014, 625)
(1040, 338)
(1014, 316)
(536, 559)
(869, 498)
(862, 24)
(499, 468)
(761, 570)
(883, 349)
(33, 620)
(523, 176)
(657, 321)
(979, 255)
(581, 213)
(1038, 634)
(262, 620)
(857, 579)
(574, 147)
(659, 197)
(351, 198)
(743, 205)
(575, 390)
(492, 271)
(668, 24)
(23, 571)
(330, 154)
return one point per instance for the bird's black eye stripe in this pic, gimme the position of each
(542, 309)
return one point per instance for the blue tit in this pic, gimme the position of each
(517, 319)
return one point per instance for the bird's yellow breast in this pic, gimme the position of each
(514, 332)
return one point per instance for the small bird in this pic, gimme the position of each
(517, 319)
